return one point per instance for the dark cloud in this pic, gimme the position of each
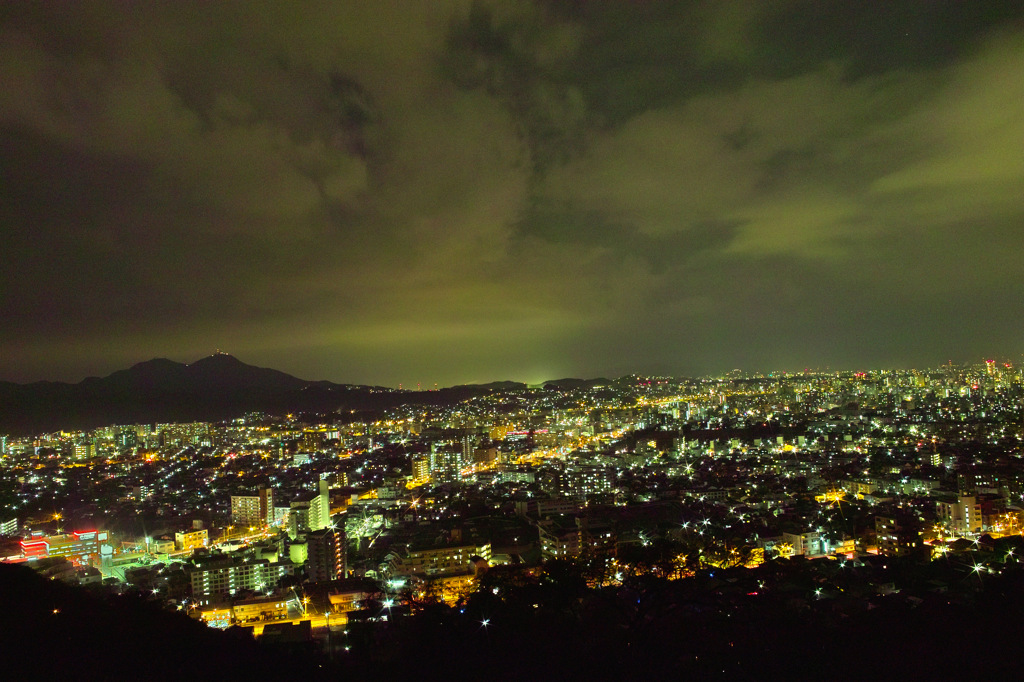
(455, 191)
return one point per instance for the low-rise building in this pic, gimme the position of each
(959, 514)
(434, 560)
(808, 544)
(191, 539)
(260, 609)
(221, 577)
(559, 537)
(79, 547)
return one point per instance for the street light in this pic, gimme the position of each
(330, 648)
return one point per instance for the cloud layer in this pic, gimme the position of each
(382, 192)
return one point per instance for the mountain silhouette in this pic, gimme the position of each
(215, 372)
(215, 388)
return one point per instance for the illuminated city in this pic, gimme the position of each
(346, 519)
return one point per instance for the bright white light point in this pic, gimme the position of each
(485, 622)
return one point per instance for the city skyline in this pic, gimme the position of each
(999, 360)
(464, 192)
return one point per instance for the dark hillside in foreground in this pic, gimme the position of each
(713, 626)
(58, 632)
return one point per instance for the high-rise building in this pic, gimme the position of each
(85, 450)
(245, 510)
(310, 512)
(266, 496)
(445, 461)
(320, 507)
(421, 468)
(325, 555)
(896, 536)
(313, 440)
(581, 481)
(9, 527)
(253, 510)
(298, 518)
(127, 438)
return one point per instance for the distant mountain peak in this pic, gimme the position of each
(218, 358)
(154, 362)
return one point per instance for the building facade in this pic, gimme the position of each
(78, 547)
(223, 577)
(245, 510)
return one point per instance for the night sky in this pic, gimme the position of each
(443, 191)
